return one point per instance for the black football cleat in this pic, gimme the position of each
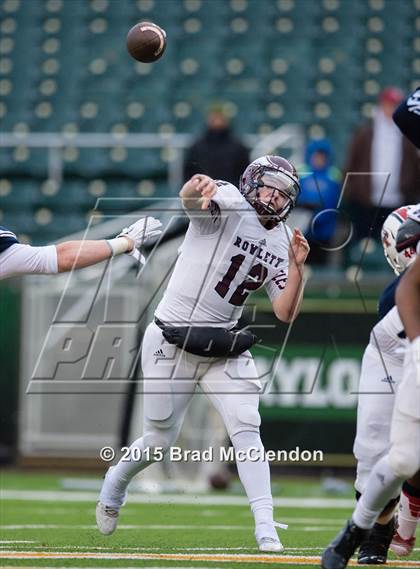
(338, 553)
(374, 549)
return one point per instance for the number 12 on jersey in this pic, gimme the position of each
(254, 279)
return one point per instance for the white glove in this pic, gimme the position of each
(140, 231)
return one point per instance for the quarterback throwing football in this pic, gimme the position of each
(236, 242)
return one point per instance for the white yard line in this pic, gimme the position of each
(185, 499)
(153, 527)
(128, 527)
(334, 522)
(152, 549)
(8, 541)
(310, 521)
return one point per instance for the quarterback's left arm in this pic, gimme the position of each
(286, 306)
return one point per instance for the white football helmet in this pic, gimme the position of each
(398, 261)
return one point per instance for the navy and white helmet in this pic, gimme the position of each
(408, 234)
(279, 174)
(398, 259)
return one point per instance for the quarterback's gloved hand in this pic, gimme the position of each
(140, 231)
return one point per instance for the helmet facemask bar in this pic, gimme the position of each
(278, 182)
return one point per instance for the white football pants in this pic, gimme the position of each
(404, 454)
(171, 377)
(403, 460)
(379, 379)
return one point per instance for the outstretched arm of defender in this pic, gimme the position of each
(80, 254)
(197, 192)
(21, 259)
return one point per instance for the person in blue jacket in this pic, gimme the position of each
(320, 190)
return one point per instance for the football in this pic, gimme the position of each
(146, 42)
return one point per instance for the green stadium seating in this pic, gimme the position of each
(20, 222)
(15, 192)
(64, 65)
(368, 255)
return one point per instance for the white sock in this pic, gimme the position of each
(118, 477)
(382, 485)
(255, 476)
(408, 515)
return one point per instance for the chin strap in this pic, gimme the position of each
(267, 210)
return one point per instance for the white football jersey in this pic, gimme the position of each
(388, 336)
(226, 254)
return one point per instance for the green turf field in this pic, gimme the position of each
(43, 525)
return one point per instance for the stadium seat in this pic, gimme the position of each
(368, 255)
(15, 192)
(19, 222)
(70, 195)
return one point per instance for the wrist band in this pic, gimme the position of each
(119, 245)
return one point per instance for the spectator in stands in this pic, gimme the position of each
(217, 153)
(378, 147)
(320, 190)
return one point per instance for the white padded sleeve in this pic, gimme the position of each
(23, 259)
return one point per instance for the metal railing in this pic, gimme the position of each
(287, 136)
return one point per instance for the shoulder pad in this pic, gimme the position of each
(7, 238)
